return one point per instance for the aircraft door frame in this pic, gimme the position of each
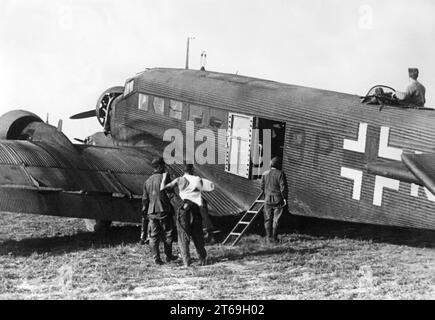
(239, 140)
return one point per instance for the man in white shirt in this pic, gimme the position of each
(189, 220)
(414, 96)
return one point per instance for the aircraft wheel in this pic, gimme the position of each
(97, 225)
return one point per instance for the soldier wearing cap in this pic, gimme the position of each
(157, 207)
(414, 96)
(274, 186)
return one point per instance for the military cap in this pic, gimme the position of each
(157, 162)
(413, 73)
(275, 163)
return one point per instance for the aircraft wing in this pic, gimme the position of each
(393, 170)
(85, 181)
(423, 167)
(414, 168)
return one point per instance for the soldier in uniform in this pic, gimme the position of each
(189, 220)
(158, 208)
(274, 186)
(414, 96)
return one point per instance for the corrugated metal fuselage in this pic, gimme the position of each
(329, 139)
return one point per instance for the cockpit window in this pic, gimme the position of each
(159, 105)
(176, 109)
(129, 86)
(143, 102)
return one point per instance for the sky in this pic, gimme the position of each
(58, 56)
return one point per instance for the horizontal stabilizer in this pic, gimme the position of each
(393, 170)
(423, 167)
(84, 115)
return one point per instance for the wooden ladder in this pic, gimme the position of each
(245, 222)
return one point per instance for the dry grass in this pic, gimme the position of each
(54, 258)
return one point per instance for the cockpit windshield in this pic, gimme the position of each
(380, 95)
(386, 96)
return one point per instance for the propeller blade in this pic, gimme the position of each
(79, 140)
(84, 115)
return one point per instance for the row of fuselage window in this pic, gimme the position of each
(200, 115)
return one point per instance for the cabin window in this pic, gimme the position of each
(129, 86)
(239, 144)
(176, 109)
(197, 114)
(217, 118)
(143, 102)
(159, 105)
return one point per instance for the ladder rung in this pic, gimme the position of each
(245, 221)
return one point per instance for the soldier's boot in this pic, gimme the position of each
(143, 232)
(154, 247)
(268, 229)
(168, 252)
(275, 234)
(203, 262)
(185, 256)
(268, 237)
(157, 259)
(143, 240)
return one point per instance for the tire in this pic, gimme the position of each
(97, 225)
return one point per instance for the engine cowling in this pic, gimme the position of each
(24, 125)
(14, 122)
(104, 106)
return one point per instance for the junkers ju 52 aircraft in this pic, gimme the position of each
(344, 160)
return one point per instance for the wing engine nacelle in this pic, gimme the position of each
(104, 106)
(24, 125)
(103, 109)
(14, 122)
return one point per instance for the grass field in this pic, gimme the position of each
(55, 258)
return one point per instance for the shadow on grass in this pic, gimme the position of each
(63, 244)
(237, 255)
(311, 227)
(379, 234)
(330, 229)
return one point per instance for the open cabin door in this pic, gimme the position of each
(251, 143)
(267, 142)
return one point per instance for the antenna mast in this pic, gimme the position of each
(203, 60)
(187, 51)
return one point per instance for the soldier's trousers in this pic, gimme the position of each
(189, 225)
(161, 229)
(207, 224)
(271, 220)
